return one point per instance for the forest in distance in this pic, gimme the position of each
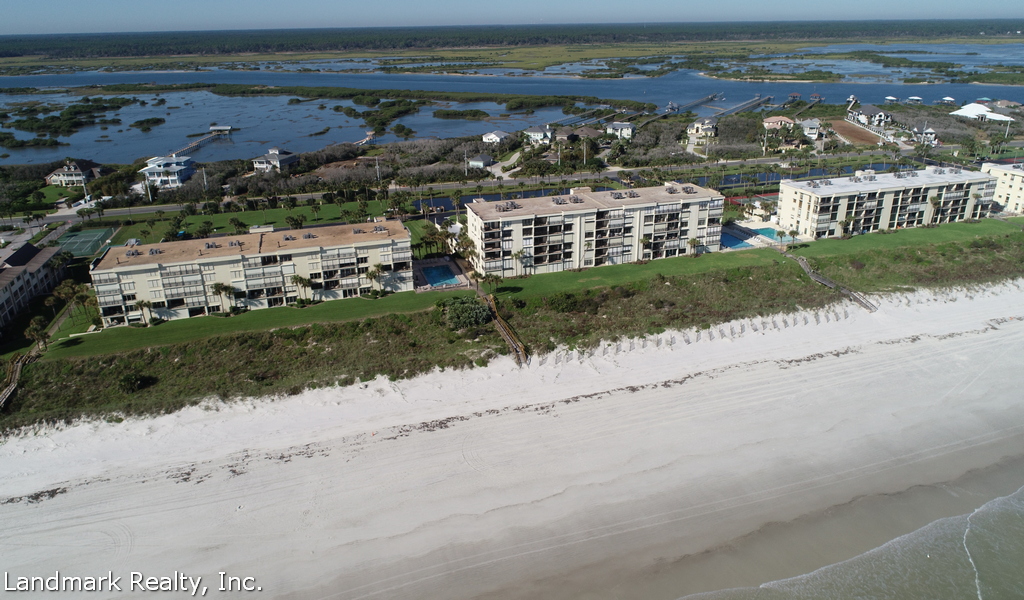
(79, 46)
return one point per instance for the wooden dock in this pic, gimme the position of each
(206, 139)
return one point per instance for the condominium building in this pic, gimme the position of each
(178, 278)
(867, 201)
(589, 229)
(25, 274)
(1009, 193)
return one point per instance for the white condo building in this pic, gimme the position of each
(177, 277)
(871, 202)
(588, 229)
(1009, 193)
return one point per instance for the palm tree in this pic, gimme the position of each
(143, 306)
(51, 301)
(375, 274)
(793, 233)
(694, 244)
(843, 225)
(456, 196)
(302, 282)
(936, 203)
(518, 257)
(223, 290)
(315, 209)
(37, 331)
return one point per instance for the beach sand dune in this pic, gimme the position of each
(580, 476)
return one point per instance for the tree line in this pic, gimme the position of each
(399, 38)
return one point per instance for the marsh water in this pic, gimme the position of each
(266, 121)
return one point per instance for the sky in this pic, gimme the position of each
(97, 16)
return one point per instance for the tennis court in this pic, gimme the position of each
(85, 242)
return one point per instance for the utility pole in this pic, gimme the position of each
(465, 162)
(377, 161)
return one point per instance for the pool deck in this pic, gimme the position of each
(422, 285)
(746, 232)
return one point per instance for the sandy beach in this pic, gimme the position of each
(669, 465)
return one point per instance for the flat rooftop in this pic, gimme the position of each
(1016, 168)
(251, 244)
(886, 181)
(587, 200)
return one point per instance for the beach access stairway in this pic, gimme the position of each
(825, 281)
(13, 374)
(514, 344)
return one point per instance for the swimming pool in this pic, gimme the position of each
(733, 242)
(441, 275)
(768, 232)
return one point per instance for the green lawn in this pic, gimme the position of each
(121, 339)
(569, 281)
(54, 193)
(907, 237)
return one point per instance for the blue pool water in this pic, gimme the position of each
(441, 275)
(768, 232)
(734, 242)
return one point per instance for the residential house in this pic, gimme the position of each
(870, 115)
(812, 128)
(703, 128)
(871, 202)
(589, 229)
(168, 171)
(1006, 104)
(778, 123)
(495, 137)
(75, 173)
(587, 132)
(275, 160)
(623, 131)
(177, 278)
(565, 134)
(23, 276)
(539, 135)
(925, 135)
(481, 161)
(980, 112)
(1009, 192)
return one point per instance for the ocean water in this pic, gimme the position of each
(972, 556)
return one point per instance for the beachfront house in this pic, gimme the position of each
(1009, 192)
(168, 171)
(588, 229)
(24, 275)
(867, 201)
(275, 160)
(178, 278)
(623, 131)
(75, 173)
(495, 137)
